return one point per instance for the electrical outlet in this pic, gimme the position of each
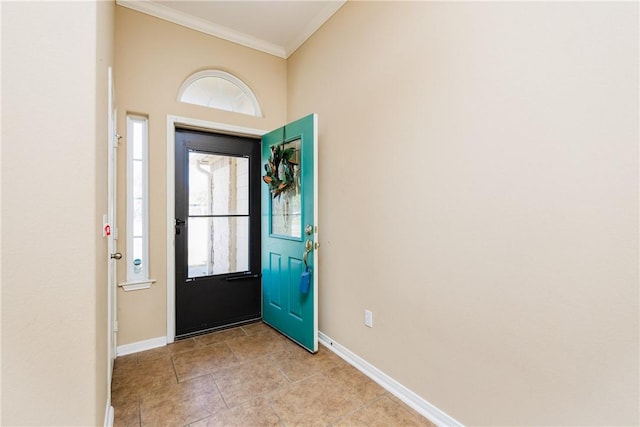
(368, 318)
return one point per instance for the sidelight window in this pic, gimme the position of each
(137, 199)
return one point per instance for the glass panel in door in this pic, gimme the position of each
(286, 205)
(218, 222)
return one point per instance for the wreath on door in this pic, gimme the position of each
(280, 170)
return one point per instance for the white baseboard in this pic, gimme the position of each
(416, 402)
(139, 346)
(109, 415)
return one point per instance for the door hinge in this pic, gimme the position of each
(115, 326)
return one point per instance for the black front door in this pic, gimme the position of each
(217, 231)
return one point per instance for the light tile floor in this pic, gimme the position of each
(249, 376)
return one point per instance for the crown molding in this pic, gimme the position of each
(190, 21)
(327, 12)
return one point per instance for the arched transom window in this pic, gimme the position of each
(221, 90)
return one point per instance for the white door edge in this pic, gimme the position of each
(316, 217)
(111, 220)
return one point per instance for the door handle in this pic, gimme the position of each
(179, 222)
(244, 276)
(117, 255)
(308, 246)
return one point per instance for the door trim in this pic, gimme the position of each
(189, 123)
(110, 216)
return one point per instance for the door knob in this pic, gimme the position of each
(117, 255)
(307, 248)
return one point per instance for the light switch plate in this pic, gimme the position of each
(368, 318)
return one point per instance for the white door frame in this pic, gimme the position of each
(110, 233)
(172, 122)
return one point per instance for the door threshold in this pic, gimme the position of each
(218, 329)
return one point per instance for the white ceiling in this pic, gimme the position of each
(274, 27)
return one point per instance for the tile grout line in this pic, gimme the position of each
(273, 363)
(139, 409)
(264, 395)
(221, 396)
(270, 404)
(175, 372)
(219, 390)
(231, 350)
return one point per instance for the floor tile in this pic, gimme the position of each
(259, 328)
(221, 336)
(383, 412)
(424, 422)
(249, 380)
(255, 413)
(168, 350)
(127, 415)
(298, 364)
(123, 370)
(203, 360)
(182, 403)
(129, 383)
(123, 395)
(355, 384)
(258, 345)
(312, 402)
(123, 363)
(155, 370)
(180, 413)
(249, 376)
(179, 391)
(132, 391)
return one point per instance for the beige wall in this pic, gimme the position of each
(54, 59)
(492, 150)
(153, 58)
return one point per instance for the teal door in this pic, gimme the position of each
(289, 231)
